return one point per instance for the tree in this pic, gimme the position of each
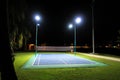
(118, 37)
(6, 63)
(19, 30)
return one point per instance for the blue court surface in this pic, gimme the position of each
(60, 61)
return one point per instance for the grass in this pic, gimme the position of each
(110, 72)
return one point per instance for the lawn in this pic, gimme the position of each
(110, 72)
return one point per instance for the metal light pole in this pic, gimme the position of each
(37, 25)
(93, 42)
(75, 40)
(77, 21)
(37, 18)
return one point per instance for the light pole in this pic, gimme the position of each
(93, 42)
(37, 18)
(74, 39)
(77, 21)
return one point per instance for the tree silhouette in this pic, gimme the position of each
(19, 31)
(118, 37)
(6, 63)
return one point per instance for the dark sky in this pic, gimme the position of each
(56, 15)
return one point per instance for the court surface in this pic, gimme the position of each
(60, 61)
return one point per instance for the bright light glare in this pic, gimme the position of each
(37, 18)
(70, 26)
(78, 20)
(38, 24)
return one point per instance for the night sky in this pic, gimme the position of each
(56, 15)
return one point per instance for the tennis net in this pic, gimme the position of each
(55, 48)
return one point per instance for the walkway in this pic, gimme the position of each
(99, 56)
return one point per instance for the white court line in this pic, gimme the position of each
(38, 59)
(63, 61)
(68, 57)
(34, 60)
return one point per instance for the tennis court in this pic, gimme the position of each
(59, 60)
